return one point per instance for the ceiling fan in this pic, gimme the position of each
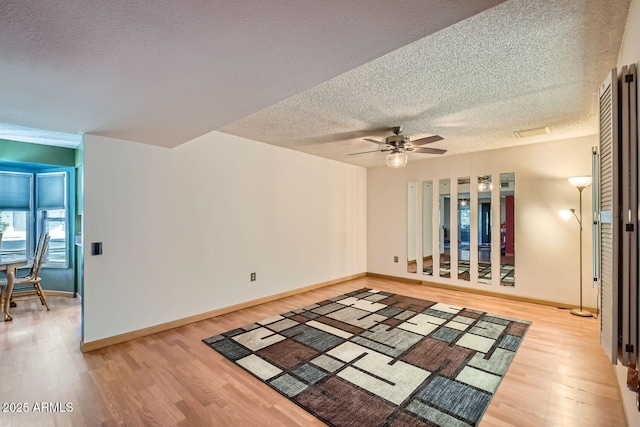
(399, 145)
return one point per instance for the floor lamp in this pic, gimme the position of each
(580, 182)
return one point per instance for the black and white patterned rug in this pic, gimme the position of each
(373, 358)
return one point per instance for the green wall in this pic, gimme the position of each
(14, 151)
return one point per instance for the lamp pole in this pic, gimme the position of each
(580, 312)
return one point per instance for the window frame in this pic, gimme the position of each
(35, 218)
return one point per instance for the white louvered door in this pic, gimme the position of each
(617, 217)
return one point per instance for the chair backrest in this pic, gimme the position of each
(36, 254)
(37, 262)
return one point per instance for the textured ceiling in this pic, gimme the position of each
(314, 76)
(523, 64)
(165, 71)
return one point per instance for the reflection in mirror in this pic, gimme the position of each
(484, 228)
(412, 200)
(444, 227)
(507, 229)
(464, 229)
(427, 228)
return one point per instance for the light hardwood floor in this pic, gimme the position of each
(559, 377)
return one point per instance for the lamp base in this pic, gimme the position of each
(581, 313)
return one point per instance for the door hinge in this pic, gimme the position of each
(628, 348)
(628, 78)
(628, 227)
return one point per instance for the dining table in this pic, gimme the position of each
(9, 267)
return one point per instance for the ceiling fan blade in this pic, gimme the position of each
(365, 152)
(375, 142)
(427, 140)
(341, 136)
(425, 150)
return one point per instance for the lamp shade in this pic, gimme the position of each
(580, 181)
(566, 213)
(397, 160)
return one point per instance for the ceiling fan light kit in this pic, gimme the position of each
(397, 160)
(400, 144)
(484, 183)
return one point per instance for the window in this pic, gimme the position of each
(32, 203)
(15, 213)
(54, 222)
(15, 235)
(51, 196)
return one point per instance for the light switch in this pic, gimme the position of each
(96, 248)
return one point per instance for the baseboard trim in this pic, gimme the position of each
(128, 336)
(396, 278)
(505, 296)
(117, 339)
(59, 293)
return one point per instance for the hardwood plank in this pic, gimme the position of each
(560, 375)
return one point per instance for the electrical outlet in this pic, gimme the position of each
(395, 259)
(253, 277)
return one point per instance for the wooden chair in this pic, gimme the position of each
(36, 256)
(28, 286)
(31, 273)
(3, 286)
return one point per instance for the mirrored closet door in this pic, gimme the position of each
(507, 229)
(485, 187)
(412, 205)
(427, 228)
(444, 228)
(464, 229)
(480, 211)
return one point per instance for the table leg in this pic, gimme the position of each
(11, 276)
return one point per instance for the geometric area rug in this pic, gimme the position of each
(373, 358)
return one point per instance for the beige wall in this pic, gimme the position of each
(630, 49)
(547, 255)
(182, 229)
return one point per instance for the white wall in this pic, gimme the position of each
(630, 49)
(629, 54)
(183, 229)
(128, 206)
(547, 255)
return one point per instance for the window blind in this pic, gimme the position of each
(15, 191)
(50, 190)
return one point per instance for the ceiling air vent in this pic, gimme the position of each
(532, 132)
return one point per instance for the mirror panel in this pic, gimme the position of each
(464, 229)
(412, 200)
(427, 228)
(444, 227)
(485, 186)
(507, 229)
